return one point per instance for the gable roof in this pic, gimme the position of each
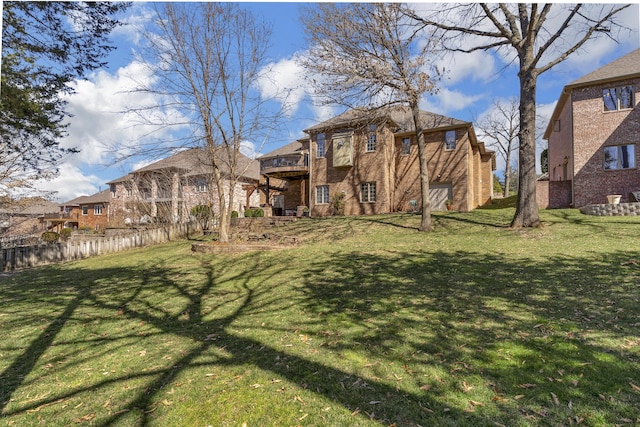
(627, 66)
(295, 147)
(100, 197)
(623, 68)
(194, 161)
(399, 115)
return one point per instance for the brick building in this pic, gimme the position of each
(84, 212)
(593, 137)
(371, 160)
(165, 191)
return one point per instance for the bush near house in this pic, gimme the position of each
(254, 213)
(50, 237)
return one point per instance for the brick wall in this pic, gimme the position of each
(593, 129)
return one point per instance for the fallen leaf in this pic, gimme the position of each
(526, 385)
(474, 403)
(555, 399)
(166, 402)
(635, 387)
(425, 387)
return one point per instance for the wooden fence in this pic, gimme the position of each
(78, 247)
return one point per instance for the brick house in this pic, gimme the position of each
(593, 137)
(84, 212)
(165, 191)
(372, 160)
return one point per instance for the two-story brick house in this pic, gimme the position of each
(371, 160)
(84, 212)
(593, 136)
(167, 190)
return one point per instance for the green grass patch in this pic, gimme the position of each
(367, 322)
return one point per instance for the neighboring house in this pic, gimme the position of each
(25, 217)
(84, 212)
(371, 161)
(167, 190)
(593, 137)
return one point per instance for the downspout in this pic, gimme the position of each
(573, 151)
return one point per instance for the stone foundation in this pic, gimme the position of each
(620, 209)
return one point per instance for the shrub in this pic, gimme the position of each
(234, 214)
(65, 233)
(254, 213)
(337, 203)
(50, 236)
(203, 214)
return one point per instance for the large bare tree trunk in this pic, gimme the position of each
(527, 207)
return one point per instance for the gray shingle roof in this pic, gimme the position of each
(399, 114)
(194, 161)
(101, 197)
(294, 147)
(621, 68)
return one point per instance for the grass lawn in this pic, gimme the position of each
(368, 322)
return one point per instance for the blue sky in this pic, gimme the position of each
(466, 93)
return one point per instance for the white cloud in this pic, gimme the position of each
(284, 81)
(72, 183)
(447, 101)
(476, 66)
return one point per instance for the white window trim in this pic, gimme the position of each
(368, 191)
(323, 194)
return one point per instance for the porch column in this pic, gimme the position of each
(303, 192)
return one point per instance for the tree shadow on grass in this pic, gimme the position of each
(474, 317)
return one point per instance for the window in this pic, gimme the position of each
(368, 192)
(321, 145)
(322, 194)
(97, 209)
(201, 185)
(620, 157)
(450, 140)
(85, 210)
(618, 98)
(406, 146)
(371, 138)
(112, 187)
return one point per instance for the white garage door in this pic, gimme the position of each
(439, 193)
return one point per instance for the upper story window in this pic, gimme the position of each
(320, 142)
(620, 157)
(85, 210)
(406, 146)
(450, 140)
(618, 98)
(113, 190)
(201, 185)
(371, 138)
(97, 209)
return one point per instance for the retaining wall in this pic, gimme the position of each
(620, 209)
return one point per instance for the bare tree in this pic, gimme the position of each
(208, 58)
(366, 54)
(540, 37)
(502, 126)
